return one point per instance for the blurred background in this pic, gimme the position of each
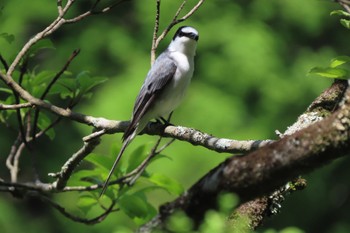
(251, 78)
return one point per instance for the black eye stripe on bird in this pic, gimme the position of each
(189, 35)
(163, 88)
(187, 32)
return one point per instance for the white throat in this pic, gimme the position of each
(183, 45)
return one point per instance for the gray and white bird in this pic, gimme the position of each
(163, 88)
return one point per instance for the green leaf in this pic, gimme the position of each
(104, 162)
(169, 184)
(6, 90)
(65, 87)
(340, 12)
(51, 133)
(41, 44)
(69, 83)
(86, 82)
(136, 207)
(43, 77)
(339, 61)
(61, 90)
(136, 158)
(345, 23)
(82, 174)
(179, 222)
(44, 122)
(330, 72)
(226, 202)
(86, 202)
(291, 230)
(8, 37)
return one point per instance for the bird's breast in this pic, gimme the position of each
(176, 89)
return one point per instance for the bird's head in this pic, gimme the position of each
(185, 40)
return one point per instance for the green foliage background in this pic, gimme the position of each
(250, 80)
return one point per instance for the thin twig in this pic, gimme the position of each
(92, 11)
(345, 4)
(155, 32)
(48, 88)
(68, 168)
(47, 31)
(75, 218)
(154, 151)
(93, 7)
(15, 163)
(23, 70)
(59, 8)
(57, 23)
(13, 151)
(4, 63)
(135, 174)
(15, 106)
(94, 135)
(176, 21)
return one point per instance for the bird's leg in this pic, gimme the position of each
(165, 121)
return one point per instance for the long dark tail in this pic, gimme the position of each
(125, 144)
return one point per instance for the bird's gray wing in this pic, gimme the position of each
(157, 78)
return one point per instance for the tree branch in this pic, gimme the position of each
(15, 106)
(48, 88)
(181, 133)
(64, 212)
(93, 11)
(261, 172)
(345, 4)
(156, 40)
(72, 163)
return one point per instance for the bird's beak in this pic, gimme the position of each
(194, 36)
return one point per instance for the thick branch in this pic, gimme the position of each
(238, 173)
(264, 170)
(181, 133)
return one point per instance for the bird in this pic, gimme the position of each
(164, 87)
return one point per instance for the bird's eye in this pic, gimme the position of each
(190, 35)
(181, 34)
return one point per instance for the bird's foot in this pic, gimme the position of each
(163, 121)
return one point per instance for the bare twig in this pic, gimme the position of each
(15, 106)
(59, 8)
(94, 135)
(47, 31)
(14, 168)
(10, 157)
(48, 88)
(135, 174)
(181, 133)
(12, 161)
(175, 21)
(23, 70)
(345, 4)
(75, 218)
(68, 168)
(155, 32)
(4, 63)
(56, 24)
(92, 11)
